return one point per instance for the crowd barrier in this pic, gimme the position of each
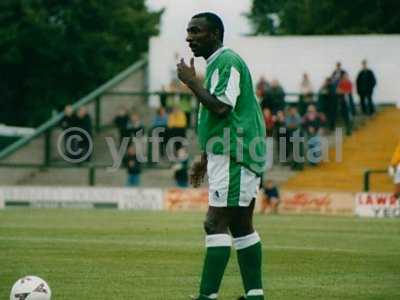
(175, 199)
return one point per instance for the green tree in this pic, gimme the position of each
(52, 52)
(312, 17)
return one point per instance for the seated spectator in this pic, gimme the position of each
(133, 167)
(344, 90)
(181, 168)
(121, 121)
(270, 197)
(274, 98)
(134, 126)
(269, 120)
(312, 124)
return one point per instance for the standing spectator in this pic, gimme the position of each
(344, 91)
(312, 124)
(177, 123)
(121, 121)
(134, 125)
(306, 94)
(330, 101)
(269, 120)
(366, 83)
(70, 120)
(262, 87)
(181, 169)
(133, 166)
(280, 129)
(84, 122)
(270, 197)
(293, 125)
(274, 98)
(337, 74)
(160, 121)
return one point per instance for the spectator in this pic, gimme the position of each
(366, 83)
(337, 74)
(280, 129)
(133, 166)
(394, 170)
(312, 124)
(163, 96)
(160, 121)
(181, 169)
(70, 120)
(270, 197)
(344, 91)
(327, 102)
(274, 98)
(134, 126)
(293, 126)
(84, 122)
(177, 124)
(121, 121)
(262, 87)
(306, 94)
(269, 120)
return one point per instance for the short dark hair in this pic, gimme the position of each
(214, 21)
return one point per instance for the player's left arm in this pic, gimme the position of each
(187, 74)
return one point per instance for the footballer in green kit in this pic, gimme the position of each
(231, 135)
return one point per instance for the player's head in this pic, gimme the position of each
(205, 33)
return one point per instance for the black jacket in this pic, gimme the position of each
(366, 82)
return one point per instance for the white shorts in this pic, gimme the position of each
(229, 183)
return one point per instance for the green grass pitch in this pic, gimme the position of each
(111, 255)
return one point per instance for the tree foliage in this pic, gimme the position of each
(52, 52)
(313, 17)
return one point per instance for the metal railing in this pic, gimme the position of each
(91, 97)
(367, 177)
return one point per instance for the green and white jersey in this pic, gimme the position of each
(240, 134)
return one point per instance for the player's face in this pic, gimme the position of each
(201, 40)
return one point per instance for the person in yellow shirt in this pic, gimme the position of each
(394, 170)
(177, 123)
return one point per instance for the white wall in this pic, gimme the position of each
(287, 58)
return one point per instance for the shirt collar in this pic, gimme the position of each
(215, 55)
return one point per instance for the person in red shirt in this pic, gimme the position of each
(344, 91)
(269, 120)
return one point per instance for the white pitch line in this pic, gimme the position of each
(172, 244)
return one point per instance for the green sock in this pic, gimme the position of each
(249, 254)
(217, 257)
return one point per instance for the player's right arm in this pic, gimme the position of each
(187, 74)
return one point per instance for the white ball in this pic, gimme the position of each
(30, 288)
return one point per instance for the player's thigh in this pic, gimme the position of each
(217, 220)
(230, 183)
(241, 220)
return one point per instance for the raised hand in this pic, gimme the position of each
(187, 74)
